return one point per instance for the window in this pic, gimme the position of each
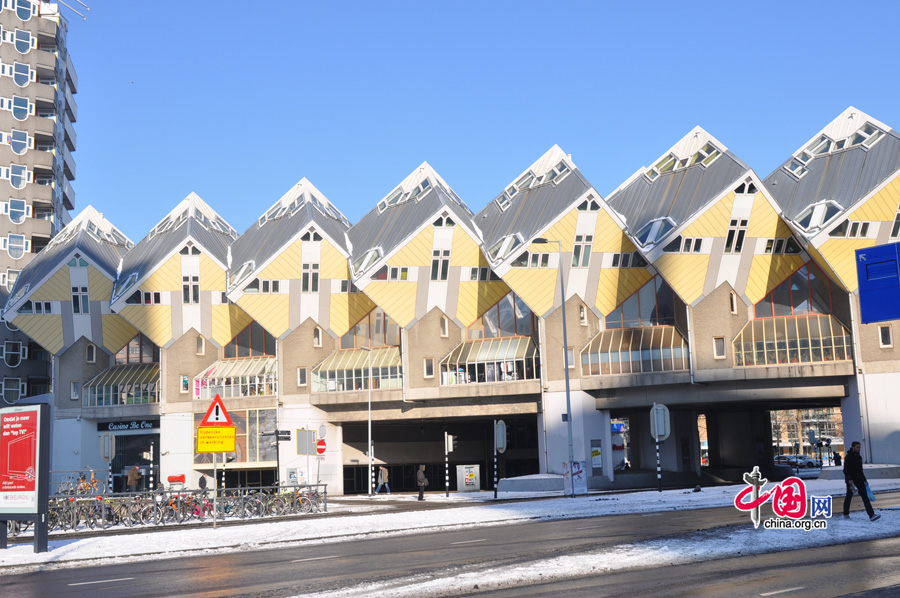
(782, 246)
(440, 264)
(185, 386)
(558, 173)
(252, 341)
(504, 200)
(311, 236)
(732, 301)
(589, 205)
(429, 367)
(652, 232)
(719, 347)
(508, 317)
(189, 249)
(201, 345)
(16, 246)
(259, 285)
(317, 337)
(581, 251)
(582, 315)
(850, 229)
(445, 327)
(895, 230)
(310, 278)
(504, 247)
(444, 221)
(885, 338)
(21, 108)
(570, 356)
(684, 245)
(13, 353)
(22, 74)
(734, 242)
(90, 354)
(190, 290)
(13, 388)
(652, 305)
(867, 136)
(24, 41)
(401, 274)
(375, 329)
(301, 376)
(140, 349)
(483, 274)
(806, 291)
(670, 162)
(75, 391)
(80, 300)
(347, 286)
(17, 210)
(628, 260)
(817, 215)
(25, 9)
(19, 142)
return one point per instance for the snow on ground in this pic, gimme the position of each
(378, 516)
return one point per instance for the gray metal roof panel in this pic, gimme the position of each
(531, 211)
(845, 176)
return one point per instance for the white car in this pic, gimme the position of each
(809, 462)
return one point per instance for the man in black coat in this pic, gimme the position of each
(853, 476)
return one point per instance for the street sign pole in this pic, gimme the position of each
(446, 468)
(495, 458)
(658, 468)
(215, 487)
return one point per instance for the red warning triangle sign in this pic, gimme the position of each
(216, 415)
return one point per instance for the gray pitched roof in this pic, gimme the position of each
(191, 218)
(388, 226)
(301, 206)
(532, 209)
(678, 194)
(90, 234)
(844, 176)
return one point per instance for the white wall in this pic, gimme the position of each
(329, 470)
(883, 417)
(176, 436)
(587, 424)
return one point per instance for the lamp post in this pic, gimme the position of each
(369, 467)
(562, 295)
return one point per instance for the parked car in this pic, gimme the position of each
(786, 460)
(809, 462)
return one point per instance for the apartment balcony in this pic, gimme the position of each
(68, 195)
(71, 137)
(45, 63)
(71, 106)
(68, 163)
(47, 28)
(41, 192)
(71, 76)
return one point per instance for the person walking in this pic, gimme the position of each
(837, 459)
(134, 476)
(382, 480)
(421, 481)
(854, 477)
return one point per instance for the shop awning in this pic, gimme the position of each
(236, 368)
(126, 374)
(495, 349)
(351, 359)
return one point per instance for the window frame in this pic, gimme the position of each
(716, 354)
(90, 353)
(302, 376)
(75, 390)
(428, 362)
(890, 333)
(445, 327)
(317, 336)
(184, 384)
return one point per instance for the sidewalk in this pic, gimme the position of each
(364, 517)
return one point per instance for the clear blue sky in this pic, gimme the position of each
(239, 101)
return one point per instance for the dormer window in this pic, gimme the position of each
(504, 247)
(311, 236)
(868, 135)
(706, 155)
(242, 273)
(817, 215)
(558, 173)
(391, 200)
(369, 258)
(444, 221)
(653, 231)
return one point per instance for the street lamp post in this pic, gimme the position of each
(562, 295)
(369, 467)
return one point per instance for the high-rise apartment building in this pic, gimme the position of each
(37, 109)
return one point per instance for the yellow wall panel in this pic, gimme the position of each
(165, 278)
(685, 273)
(154, 321)
(116, 332)
(45, 330)
(99, 286)
(57, 288)
(714, 221)
(563, 230)
(287, 266)
(767, 272)
(618, 284)
(347, 309)
(840, 254)
(476, 297)
(765, 223)
(212, 276)
(397, 299)
(227, 321)
(271, 311)
(465, 251)
(882, 206)
(822, 263)
(333, 263)
(416, 251)
(536, 287)
(609, 238)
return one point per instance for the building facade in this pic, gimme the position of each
(37, 111)
(696, 284)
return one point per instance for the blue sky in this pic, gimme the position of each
(239, 101)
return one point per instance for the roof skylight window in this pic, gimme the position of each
(867, 136)
(706, 155)
(504, 200)
(653, 231)
(670, 162)
(558, 173)
(369, 258)
(391, 200)
(817, 215)
(820, 146)
(504, 247)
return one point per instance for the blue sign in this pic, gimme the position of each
(617, 428)
(878, 274)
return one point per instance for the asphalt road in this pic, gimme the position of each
(301, 570)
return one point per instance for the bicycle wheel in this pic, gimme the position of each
(65, 488)
(99, 487)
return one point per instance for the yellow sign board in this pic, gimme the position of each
(217, 439)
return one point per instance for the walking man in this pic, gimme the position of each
(854, 477)
(382, 480)
(134, 476)
(421, 481)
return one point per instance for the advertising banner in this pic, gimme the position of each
(19, 458)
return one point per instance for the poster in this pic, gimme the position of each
(19, 451)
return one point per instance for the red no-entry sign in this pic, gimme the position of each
(320, 447)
